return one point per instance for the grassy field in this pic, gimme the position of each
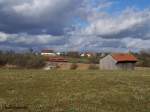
(74, 91)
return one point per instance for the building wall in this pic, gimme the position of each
(48, 54)
(126, 66)
(108, 63)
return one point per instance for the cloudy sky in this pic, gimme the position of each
(93, 25)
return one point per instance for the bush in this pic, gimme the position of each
(73, 54)
(26, 60)
(93, 67)
(35, 62)
(94, 60)
(2, 61)
(73, 66)
(143, 59)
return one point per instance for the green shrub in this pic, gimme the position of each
(93, 67)
(143, 58)
(23, 60)
(73, 66)
(94, 60)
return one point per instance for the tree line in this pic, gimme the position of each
(21, 60)
(32, 60)
(143, 58)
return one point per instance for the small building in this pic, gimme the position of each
(118, 62)
(54, 62)
(88, 54)
(50, 66)
(58, 53)
(48, 53)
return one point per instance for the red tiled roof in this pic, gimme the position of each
(47, 51)
(124, 57)
(57, 59)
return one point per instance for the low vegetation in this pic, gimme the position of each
(32, 60)
(74, 91)
(144, 58)
(93, 67)
(24, 60)
(73, 66)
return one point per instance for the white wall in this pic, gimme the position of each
(48, 54)
(108, 63)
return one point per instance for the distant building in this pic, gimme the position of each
(88, 54)
(48, 53)
(53, 62)
(50, 66)
(118, 62)
(57, 59)
(58, 53)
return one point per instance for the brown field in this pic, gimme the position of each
(81, 66)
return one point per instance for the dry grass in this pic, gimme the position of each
(75, 91)
(81, 66)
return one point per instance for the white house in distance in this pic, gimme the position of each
(88, 54)
(48, 53)
(118, 61)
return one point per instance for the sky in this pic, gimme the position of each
(75, 25)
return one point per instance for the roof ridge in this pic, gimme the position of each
(120, 57)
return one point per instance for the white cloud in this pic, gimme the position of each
(32, 16)
(108, 25)
(93, 43)
(136, 43)
(106, 31)
(29, 39)
(42, 24)
(36, 8)
(4, 37)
